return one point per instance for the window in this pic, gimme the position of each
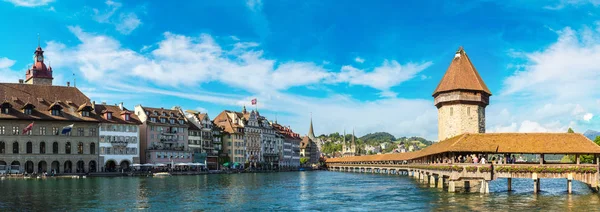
(152, 119)
(42, 147)
(80, 148)
(92, 131)
(5, 110)
(164, 114)
(27, 111)
(55, 130)
(451, 110)
(108, 116)
(163, 120)
(180, 121)
(15, 130)
(92, 148)
(2, 147)
(15, 147)
(68, 148)
(42, 130)
(55, 148)
(2, 130)
(468, 111)
(126, 117)
(85, 113)
(55, 112)
(147, 113)
(80, 131)
(172, 121)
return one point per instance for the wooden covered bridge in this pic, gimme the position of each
(450, 164)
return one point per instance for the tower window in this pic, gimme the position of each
(451, 110)
(469, 111)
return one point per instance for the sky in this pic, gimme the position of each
(370, 66)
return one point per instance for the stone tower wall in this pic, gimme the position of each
(456, 119)
(39, 81)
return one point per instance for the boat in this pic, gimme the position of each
(301, 169)
(161, 174)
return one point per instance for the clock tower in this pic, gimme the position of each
(39, 74)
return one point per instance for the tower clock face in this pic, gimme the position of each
(40, 58)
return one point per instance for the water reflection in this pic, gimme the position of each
(292, 191)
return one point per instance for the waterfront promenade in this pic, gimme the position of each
(441, 165)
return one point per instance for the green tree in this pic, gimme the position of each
(303, 160)
(597, 140)
(570, 130)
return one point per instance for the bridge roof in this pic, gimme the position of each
(495, 143)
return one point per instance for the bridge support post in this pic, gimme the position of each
(484, 188)
(536, 185)
(432, 181)
(451, 186)
(440, 181)
(509, 184)
(569, 183)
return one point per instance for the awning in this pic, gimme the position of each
(136, 165)
(160, 164)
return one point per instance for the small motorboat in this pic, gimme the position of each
(161, 174)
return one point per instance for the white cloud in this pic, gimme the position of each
(359, 60)
(8, 75)
(390, 73)
(30, 3)
(588, 116)
(254, 5)
(576, 3)
(181, 63)
(125, 23)
(559, 84)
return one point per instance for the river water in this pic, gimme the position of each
(288, 191)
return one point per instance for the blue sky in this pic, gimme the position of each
(368, 65)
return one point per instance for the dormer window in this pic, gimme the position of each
(4, 108)
(172, 121)
(163, 120)
(126, 117)
(27, 111)
(152, 119)
(147, 113)
(155, 113)
(55, 109)
(109, 116)
(85, 113)
(172, 115)
(28, 108)
(164, 114)
(180, 121)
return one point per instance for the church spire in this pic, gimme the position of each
(353, 137)
(311, 132)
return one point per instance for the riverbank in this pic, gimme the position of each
(141, 174)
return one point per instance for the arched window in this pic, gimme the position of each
(15, 147)
(42, 147)
(2, 147)
(68, 148)
(55, 148)
(92, 148)
(80, 148)
(29, 148)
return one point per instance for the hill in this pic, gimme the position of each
(591, 134)
(377, 138)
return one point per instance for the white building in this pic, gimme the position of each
(119, 137)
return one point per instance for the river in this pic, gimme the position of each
(287, 191)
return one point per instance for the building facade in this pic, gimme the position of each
(33, 116)
(233, 135)
(202, 139)
(119, 137)
(349, 149)
(461, 98)
(253, 131)
(163, 136)
(290, 157)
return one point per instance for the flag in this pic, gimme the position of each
(254, 101)
(28, 128)
(67, 129)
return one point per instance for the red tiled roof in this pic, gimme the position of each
(116, 119)
(42, 97)
(461, 75)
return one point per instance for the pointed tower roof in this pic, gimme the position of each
(311, 133)
(353, 137)
(461, 75)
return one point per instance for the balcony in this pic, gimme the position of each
(119, 143)
(168, 140)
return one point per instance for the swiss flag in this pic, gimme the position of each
(28, 128)
(254, 101)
